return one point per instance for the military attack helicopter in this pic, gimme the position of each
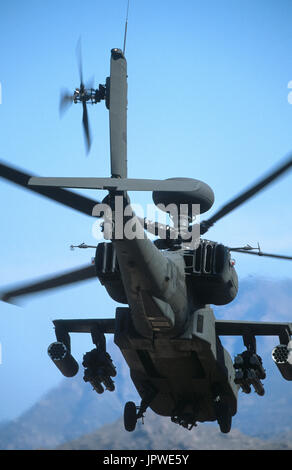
(167, 331)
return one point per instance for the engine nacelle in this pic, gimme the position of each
(282, 356)
(210, 273)
(209, 270)
(108, 271)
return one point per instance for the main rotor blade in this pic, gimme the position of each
(86, 126)
(63, 196)
(260, 253)
(245, 195)
(52, 282)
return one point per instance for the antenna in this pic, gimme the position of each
(126, 27)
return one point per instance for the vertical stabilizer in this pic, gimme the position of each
(118, 114)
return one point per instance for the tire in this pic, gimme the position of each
(130, 416)
(225, 423)
(224, 417)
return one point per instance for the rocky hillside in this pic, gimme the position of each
(158, 433)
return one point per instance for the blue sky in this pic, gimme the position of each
(208, 99)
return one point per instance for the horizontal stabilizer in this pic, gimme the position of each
(117, 184)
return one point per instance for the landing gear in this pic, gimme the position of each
(223, 415)
(132, 412)
(130, 416)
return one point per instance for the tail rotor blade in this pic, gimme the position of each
(83, 87)
(86, 127)
(66, 100)
(81, 95)
(79, 62)
(90, 83)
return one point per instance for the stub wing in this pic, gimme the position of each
(281, 354)
(243, 328)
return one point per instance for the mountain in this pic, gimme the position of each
(158, 433)
(73, 409)
(69, 410)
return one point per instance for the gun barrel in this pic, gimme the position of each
(62, 358)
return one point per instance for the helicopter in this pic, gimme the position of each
(167, 331)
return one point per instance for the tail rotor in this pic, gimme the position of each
(83, 94)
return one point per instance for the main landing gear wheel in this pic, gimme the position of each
(224, 417)
(130, 416)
